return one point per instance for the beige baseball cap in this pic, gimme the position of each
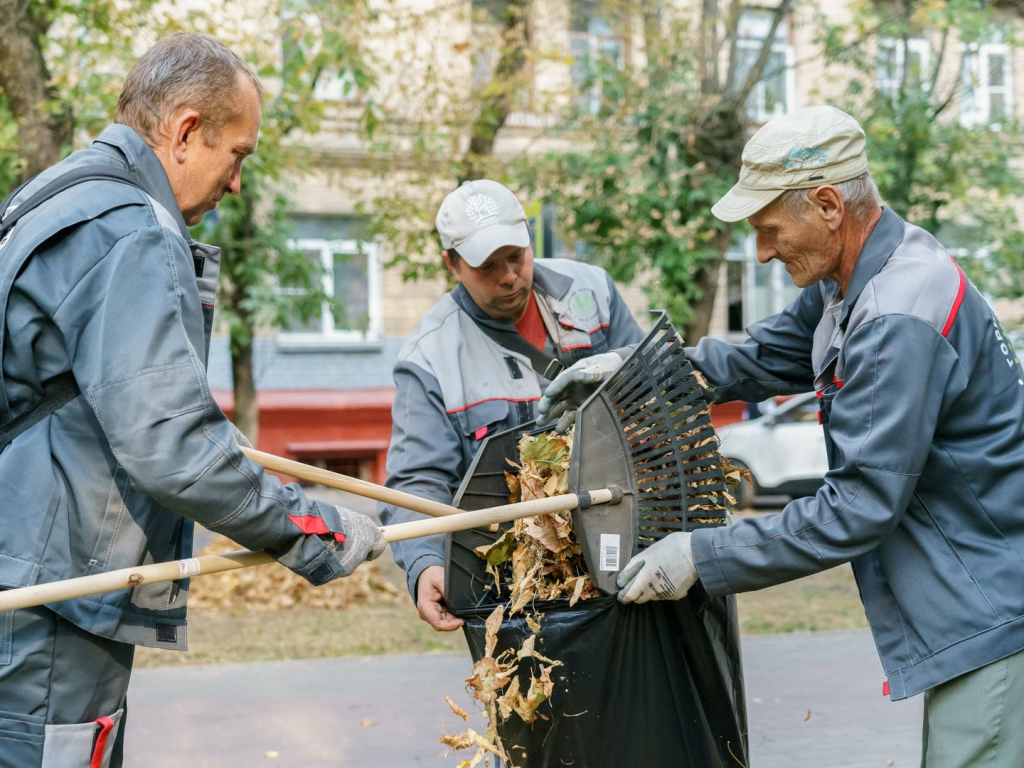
(480, 217)
(804, 149)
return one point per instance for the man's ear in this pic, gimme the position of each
(829, 204)
(183, 134)
(451, 267)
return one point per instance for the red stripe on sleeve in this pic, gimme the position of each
(310, 525)
(953, 310)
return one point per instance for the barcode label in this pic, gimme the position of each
(609, 551)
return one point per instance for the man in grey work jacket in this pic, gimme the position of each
(102, 285)
(922, 403)
(468, 371)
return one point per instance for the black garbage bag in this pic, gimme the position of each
(657, 685)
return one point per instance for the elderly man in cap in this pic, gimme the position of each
(480, 358)
(922, 403)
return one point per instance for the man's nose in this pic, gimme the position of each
(764, 255)
(509, 274)
(235, 183)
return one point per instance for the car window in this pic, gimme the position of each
(806, 411)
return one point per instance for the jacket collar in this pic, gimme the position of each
(883, 240)
(131, 149)
(549, 282)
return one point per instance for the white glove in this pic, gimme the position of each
(363, 540)
(663, 571)
(574, 385)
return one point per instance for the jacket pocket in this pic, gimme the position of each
(110, 525)
(84, 745)
(483, 419)
(21, 739)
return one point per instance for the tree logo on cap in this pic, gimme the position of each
(480, 208)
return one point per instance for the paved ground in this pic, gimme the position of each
(814, 700)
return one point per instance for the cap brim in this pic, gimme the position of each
(739, 203)
(478, 248)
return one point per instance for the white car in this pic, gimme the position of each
(784, 450)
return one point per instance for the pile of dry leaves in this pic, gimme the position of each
(273, 587)
(539, 558)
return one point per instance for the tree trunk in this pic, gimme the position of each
(24, 79)
(247, 412)
(707, 281)
(495, 111)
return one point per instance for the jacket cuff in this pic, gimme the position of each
(417, 567)
(708, 568)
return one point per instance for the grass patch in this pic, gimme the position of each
(824, 601)
(827, 600)
(304, 633)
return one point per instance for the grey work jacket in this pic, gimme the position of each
(105, 281)
(456, 385)
(922, 402)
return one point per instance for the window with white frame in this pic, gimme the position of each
(986, 95)
(594, 44)
(895, 59)
(773, 94)
(351, 275)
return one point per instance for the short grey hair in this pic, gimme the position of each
(860, 196)
(185, 69)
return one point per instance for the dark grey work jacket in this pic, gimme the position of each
(105, 281)
(456, 385)
(922, 402)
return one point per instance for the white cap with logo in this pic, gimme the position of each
(804, 149)
(480, 217)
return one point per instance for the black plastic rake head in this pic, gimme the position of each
(648, 431)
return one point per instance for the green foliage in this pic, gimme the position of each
(89, 49)
(955, 180)
(654, 156)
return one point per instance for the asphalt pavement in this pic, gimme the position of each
(813, 700)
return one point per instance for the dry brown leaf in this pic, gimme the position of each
(455, 708)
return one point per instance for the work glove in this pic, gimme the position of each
(572, 386)
(663, 571)
(364, 540)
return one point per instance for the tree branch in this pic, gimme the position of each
(764, 54)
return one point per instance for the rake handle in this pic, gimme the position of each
(55, 591)
(350, 484)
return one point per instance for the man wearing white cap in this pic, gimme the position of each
(922, 403)
(479, 359)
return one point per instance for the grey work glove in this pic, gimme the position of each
(663, 571)
(364, 540)
(572, 386)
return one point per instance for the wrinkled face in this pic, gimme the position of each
(212, 171)
(501, 285)
(807, 247)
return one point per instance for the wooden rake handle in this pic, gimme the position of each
(55, 591)
(350, 484)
